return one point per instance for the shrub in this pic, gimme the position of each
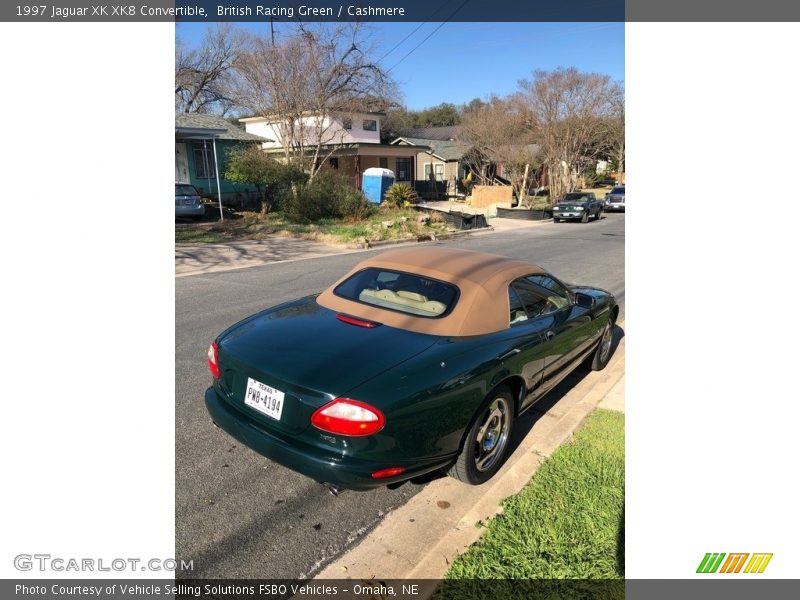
(352, 203)
(399, 195)
(250, 165)
(327, 196)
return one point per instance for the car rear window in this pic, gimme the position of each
(619, 190)
(185, 190)
(400, 292)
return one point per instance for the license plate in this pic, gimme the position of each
(264, 398)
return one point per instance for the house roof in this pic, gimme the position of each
(334, 112)
(355, 148)
(199, 124)
(446, 150)
(432, 133)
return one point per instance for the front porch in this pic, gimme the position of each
(351, 161)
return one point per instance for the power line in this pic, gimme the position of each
(416, 29)
(442, 24)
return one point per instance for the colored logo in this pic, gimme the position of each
(734, 563)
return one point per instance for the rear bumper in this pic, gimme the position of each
(341, 471)
(190, 211)
(615, 206)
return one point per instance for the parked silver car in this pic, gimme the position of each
(615, 199)
(188, 202)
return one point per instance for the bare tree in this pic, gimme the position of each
(203, 75)
(498, 134)
(302, 82)
(616, 131)
(568, 115)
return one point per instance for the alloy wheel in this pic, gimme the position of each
(492, 438)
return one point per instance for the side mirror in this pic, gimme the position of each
(584, 300)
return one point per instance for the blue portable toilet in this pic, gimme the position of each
(375, 182)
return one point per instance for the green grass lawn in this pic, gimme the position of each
(568, 522)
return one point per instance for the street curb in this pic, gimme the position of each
(344, 248)
(420, 539)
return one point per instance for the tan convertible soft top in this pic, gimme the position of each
(482, 280)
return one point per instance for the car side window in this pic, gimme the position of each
(526, 301)
(556, 294)
(516, 307)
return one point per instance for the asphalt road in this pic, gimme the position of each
(237, 515)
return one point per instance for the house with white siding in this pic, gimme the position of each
(350, 143)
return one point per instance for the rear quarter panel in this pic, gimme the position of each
(430, 401)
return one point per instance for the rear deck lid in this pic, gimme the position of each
(280, 365)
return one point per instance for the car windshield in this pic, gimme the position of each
(574, 197)
(185, 190)
(401, 292)
(618, 190)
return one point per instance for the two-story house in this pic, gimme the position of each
(350, 143)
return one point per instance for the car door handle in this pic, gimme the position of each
(508, 354)
(550, 334)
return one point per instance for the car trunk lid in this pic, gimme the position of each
(303, 356)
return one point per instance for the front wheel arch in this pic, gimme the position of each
(464, 467)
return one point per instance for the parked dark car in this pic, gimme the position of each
(188, 202)
(578, 206)
(615, 199)
(416, 360)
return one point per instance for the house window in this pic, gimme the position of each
(383, 162)
(204, 167)
(333, 161)
(347, 123)
(402, 169)
(434, 171)
(370, 125)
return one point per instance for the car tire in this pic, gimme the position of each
(488, 439)
(556, 220)
(599, 215)
(585, 217)
(602, 354)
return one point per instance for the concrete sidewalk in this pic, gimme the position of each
(420, 539)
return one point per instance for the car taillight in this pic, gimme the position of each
(356, 321)
(213, 365)
(348, 417)
(390, 472)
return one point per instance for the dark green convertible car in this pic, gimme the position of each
(416, 360)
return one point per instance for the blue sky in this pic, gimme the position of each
(461, 61)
